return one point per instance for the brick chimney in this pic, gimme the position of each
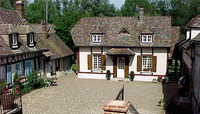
(141, 14)
(19, 7)
(44, 28)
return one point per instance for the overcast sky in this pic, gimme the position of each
(117, 3)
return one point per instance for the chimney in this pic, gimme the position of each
(141, 14)
(44, 28)
(20, 8)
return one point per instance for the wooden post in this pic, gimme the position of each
(176, 69)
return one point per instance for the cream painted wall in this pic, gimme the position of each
(83, 60)
(161, 54)
(195, 32)
(188, 34)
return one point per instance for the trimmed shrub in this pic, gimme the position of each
(108, 74)
(132, 75)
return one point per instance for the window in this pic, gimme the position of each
(31, 38)
(14, 38)
(96, 38)
(96, 61)
(121, 63)
(146, 63)
(147, 38)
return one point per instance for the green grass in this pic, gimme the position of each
(74, 67)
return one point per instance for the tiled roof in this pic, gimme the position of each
(11, 22)
(194, 22)
(164, 35)
(5, 50)
(120, 51)
(10, 16)
(38, 28)
(55, 46)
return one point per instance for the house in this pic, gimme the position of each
(123, 44)
(26, 47)
(190, 49)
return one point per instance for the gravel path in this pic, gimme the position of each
(83, 96)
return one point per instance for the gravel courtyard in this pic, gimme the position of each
(83, 96)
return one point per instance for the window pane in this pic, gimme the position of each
(146, 63)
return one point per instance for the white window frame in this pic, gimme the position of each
(14, 39)
(146, 63)
(147, 38)
(96, 38)
(31, 38)
(96, 61)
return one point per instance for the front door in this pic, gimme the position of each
(120, 67)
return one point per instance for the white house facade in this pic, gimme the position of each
(124, 44)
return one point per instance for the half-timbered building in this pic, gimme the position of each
(122, 44)
(26, 47)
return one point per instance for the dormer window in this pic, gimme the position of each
(30, 40)
(147, 38)
(96, 38)
(13, 40)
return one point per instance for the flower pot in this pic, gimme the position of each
(7, 102)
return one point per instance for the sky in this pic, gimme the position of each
(117, 3)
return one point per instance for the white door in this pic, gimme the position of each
(120, 67)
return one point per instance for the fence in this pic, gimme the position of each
(120, 95)
(10, 98)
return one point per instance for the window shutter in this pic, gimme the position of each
(89, 62)
(115, 67)
(154, 61)
(126, 67)
(28, 39)
(103, 62)
(10, 40)
(139, 63)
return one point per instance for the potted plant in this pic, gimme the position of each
(108, 74)
(132, 75)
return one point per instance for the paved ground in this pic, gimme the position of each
(82, 96)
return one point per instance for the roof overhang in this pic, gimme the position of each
(47, 54)
(120, 51)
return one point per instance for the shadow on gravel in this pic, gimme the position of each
(133, 110)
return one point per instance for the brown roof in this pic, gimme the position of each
(11, 22)
(164, 35)
(55, 45)
(10, 16)
(120, 51)
(5, 50)
(194, 22)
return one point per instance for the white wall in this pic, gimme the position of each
(161, 66)
(187, 33)
(83, 59)
(194, 33)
